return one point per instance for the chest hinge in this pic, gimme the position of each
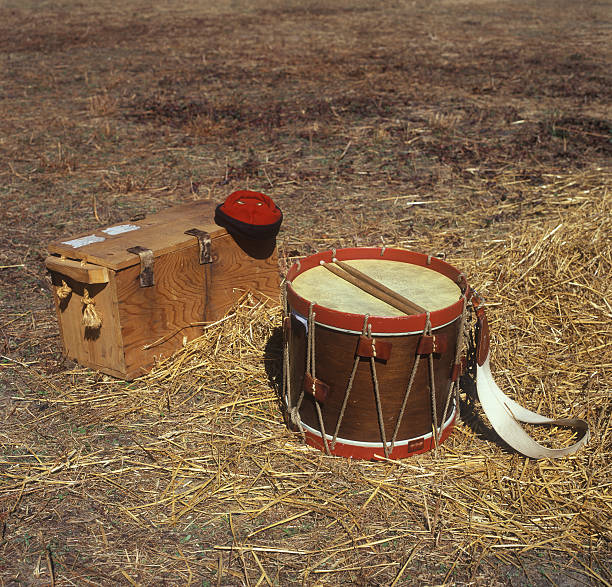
(204, 243)
(147, 278)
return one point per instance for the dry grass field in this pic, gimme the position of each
(479, 129)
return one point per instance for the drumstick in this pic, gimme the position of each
(374, 288)
(415, 308)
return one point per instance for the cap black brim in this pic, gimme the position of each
(257, 231)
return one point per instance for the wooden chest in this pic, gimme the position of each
(129, 294)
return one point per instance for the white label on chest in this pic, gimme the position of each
(84, 240)
(120, 229)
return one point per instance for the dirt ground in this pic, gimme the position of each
(456, 127)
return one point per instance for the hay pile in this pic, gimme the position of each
(189, 475)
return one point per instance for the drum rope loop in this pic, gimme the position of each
(349, 386)
(293, 410)
(285, 307)
(400, 416)
(459, 351)
(311, 369)
(432, 387)
(379, 411)
(286, 391)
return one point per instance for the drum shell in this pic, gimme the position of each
(335, 353)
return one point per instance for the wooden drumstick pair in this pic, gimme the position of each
(373, 287)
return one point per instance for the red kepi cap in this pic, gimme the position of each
(249, 214)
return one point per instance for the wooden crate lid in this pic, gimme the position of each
(162, 233)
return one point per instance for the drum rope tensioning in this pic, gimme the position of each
(375, 344)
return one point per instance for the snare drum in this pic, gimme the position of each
(363, 379)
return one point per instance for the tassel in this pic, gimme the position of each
(90, 316)
(63, 291)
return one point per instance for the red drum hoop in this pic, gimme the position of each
(373, 451)
(376, 383)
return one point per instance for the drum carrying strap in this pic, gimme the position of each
(506, 415)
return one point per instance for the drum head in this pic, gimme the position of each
(421, 285)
